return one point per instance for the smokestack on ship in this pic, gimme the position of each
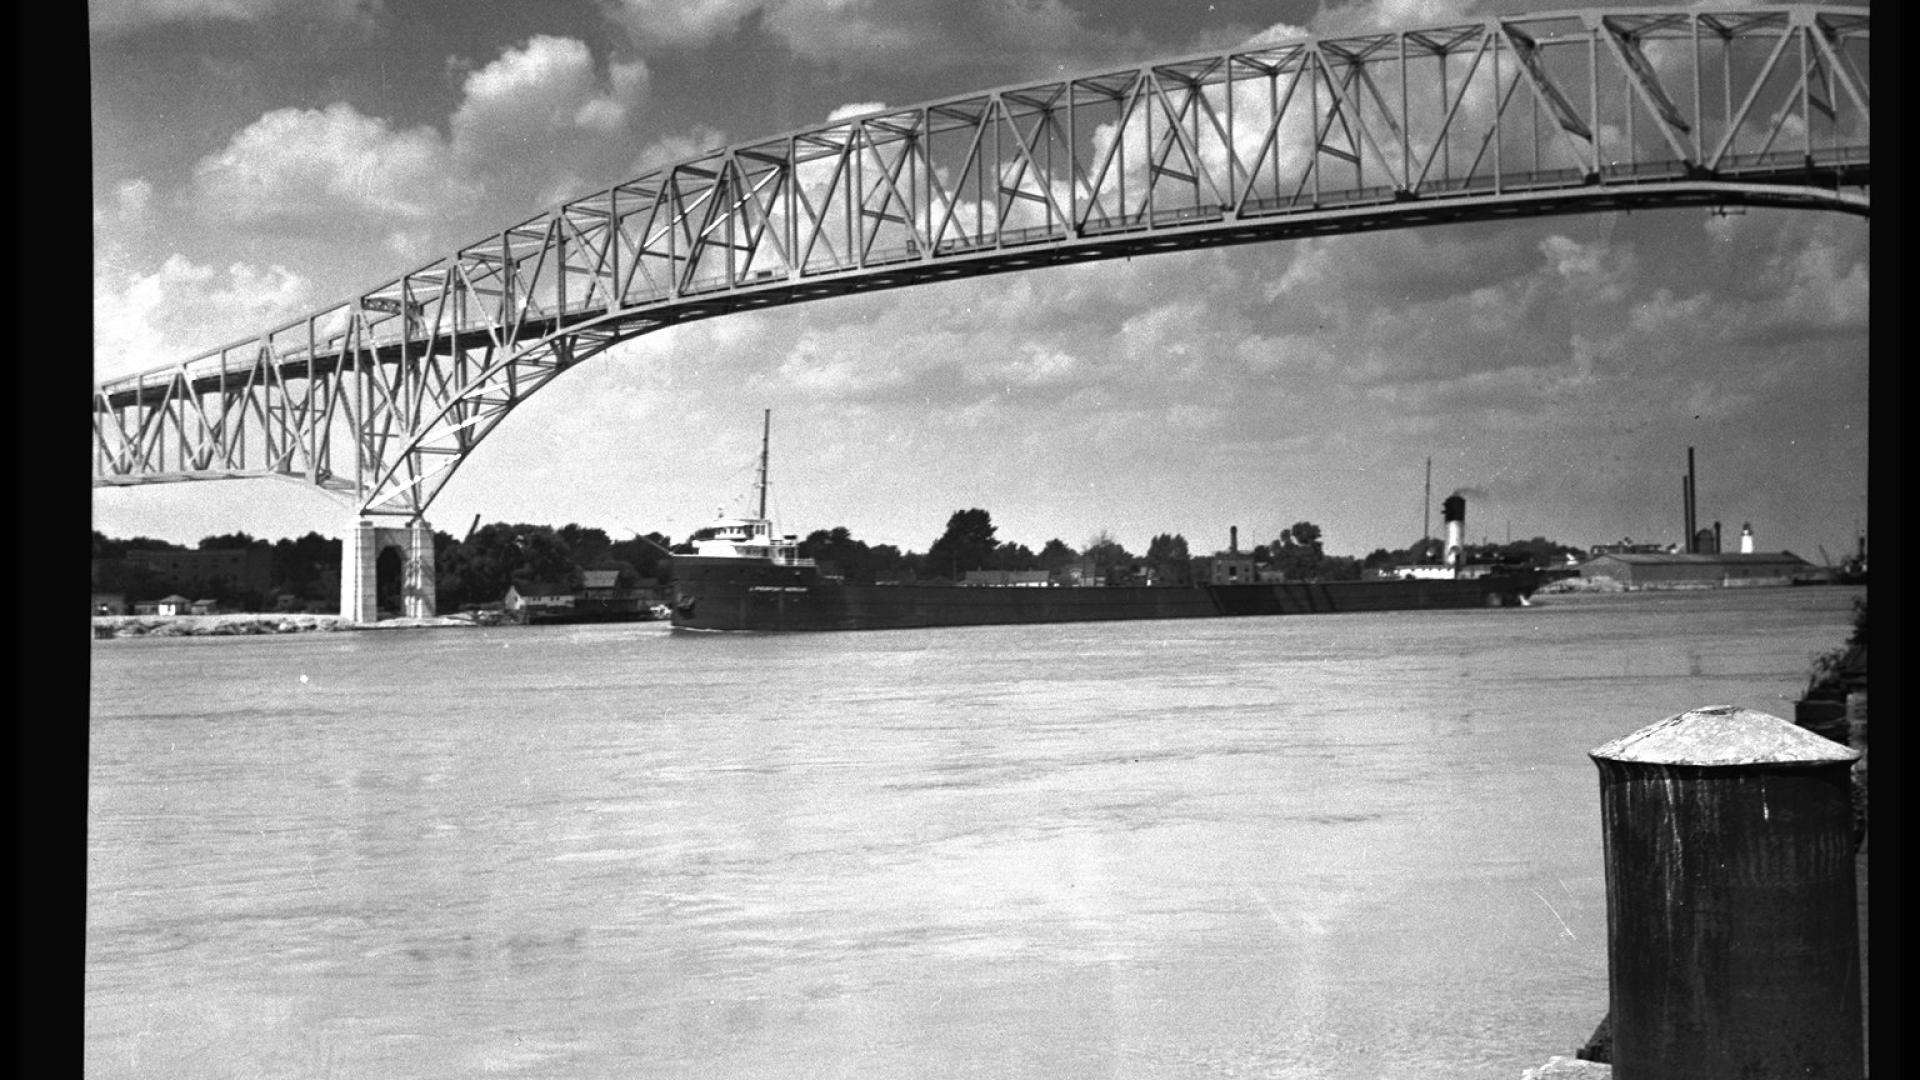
(1453, 511)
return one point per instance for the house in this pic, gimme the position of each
(109, 603)
(174, 604)
(537, 600)
(1680, 570)
(600, 584)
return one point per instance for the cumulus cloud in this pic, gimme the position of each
(332, 184)
(528, 127)
(542, 94)
(310, 165)
(1596, 272)
(146, 320)
(1275, 34)
(669, 149)
(858, 108)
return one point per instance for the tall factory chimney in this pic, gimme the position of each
(1746, 538)
(1453, 511)
(1686, 512)
(1233, 539)
(1693, 506)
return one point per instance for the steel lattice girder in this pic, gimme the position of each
(1566, 112)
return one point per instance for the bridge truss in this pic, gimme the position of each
(379, 399)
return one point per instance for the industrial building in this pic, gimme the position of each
(1679, 570)
(1699, 562)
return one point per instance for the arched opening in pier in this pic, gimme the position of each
(389, 571)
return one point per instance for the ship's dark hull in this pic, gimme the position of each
(724, 594)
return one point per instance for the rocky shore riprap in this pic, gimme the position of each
(237, 625)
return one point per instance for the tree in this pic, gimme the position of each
(238, 541)
(1057, 556)
(589, 546)
(1110, 560)
(498, 556)
(837, 550)
(968, 544)
(1297, 553)
(646, 553)
(1537, 552)
(106, 547)
(299, 564)
(1168, 559)
(1012, 556)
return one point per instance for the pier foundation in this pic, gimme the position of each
(359, 574)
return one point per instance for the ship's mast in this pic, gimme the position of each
(1426, 517)
(766, 431)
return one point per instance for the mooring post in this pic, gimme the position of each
(1732, 926)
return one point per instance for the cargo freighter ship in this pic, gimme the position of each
(739, 574)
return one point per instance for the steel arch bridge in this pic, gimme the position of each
(379, 399)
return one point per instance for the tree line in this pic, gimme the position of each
(481, 567)
(477, 569)
(970, 543)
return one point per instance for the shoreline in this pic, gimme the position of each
(107, 627)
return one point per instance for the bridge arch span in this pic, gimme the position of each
(380, 398)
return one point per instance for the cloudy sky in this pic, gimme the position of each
(257, 159)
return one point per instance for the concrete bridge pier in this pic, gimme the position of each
(359, 561)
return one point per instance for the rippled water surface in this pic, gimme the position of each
(1308, 847)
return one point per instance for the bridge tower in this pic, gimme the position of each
(359, 559)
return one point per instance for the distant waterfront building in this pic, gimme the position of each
(1678, 570)
(599, 584)
(537, 599)
(166, 605)
(1431, 572)
(1229, 568)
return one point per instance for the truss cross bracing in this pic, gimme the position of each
(380, 398)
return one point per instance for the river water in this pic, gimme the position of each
(1316, 847)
